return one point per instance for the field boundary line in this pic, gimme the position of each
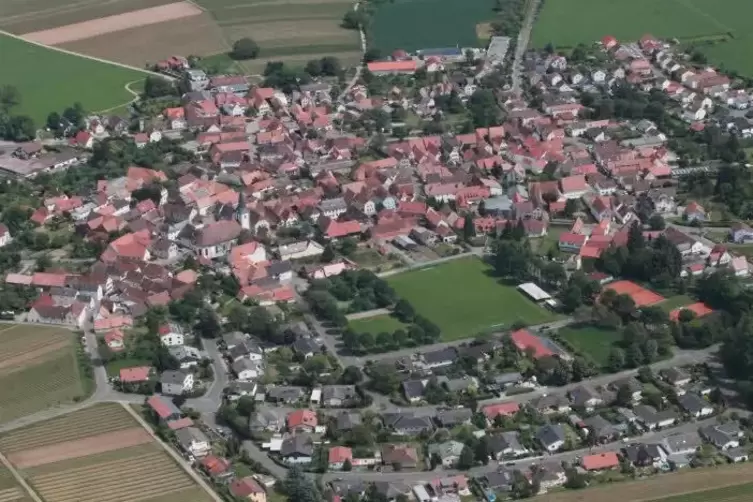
(170, 451)
(136, 97)
(701, 12)
(9, 328)
(19, 479)
(91, 58)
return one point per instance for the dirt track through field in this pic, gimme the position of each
(110, 24)
(80, 448)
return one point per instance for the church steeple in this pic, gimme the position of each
(242, 214)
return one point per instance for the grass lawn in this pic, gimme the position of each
(463, 299)
(376, 324)
(453, 24)
(735, 493)
(114, 367)
(674, 302)
(49, 80)
(592, 341)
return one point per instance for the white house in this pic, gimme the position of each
(171, 335)
(175, 383)
(193, 441)
(247, 369)
(298, 250)
(5, 237)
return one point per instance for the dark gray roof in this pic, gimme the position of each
(599, 425)
(450, 418)
(279, 268)
(347, 420)
(342, 392)
(448, 354)
(285, 393)
(508, 378)
(692, 403)
(413, 388)
(500, 442)
(305, 346)
(550, 434)
(173, 377)
(499, 480)
(407, 421)
(300, 444)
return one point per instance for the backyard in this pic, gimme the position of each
(50, 80)
(463, 298)
(592, 341)
(719, 28)
(376, 324)
(403, 24)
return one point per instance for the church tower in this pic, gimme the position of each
(242, 214)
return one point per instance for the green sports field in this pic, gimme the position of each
(566, 23)
(50, 80)
(426, 24)
(674, 302)
(463, 298)
(592, 341)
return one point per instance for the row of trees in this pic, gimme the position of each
(13, 126)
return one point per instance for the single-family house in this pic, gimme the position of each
(297, 449)
(175, 383)
(724, 436)
(694, 405)
(449, 452)
(551, 437)
(506, 445)
(302, 421)
(193, 441)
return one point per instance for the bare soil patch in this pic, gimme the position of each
(80, 448)
(198, 35)
(110, 24)
(662, 486)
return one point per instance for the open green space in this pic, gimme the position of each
(114, 367)
(591, 341)
(735, 493)
(49, 80)
(463, 298)
(720, 29)
(674, 302)
(376, 324)
(428, 24)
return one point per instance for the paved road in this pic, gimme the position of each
(522, 44)
(212, 399)
(359, 68)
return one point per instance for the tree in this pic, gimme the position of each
(481, 450)
(571, 206)
(313, 67)
(331, 66)
(329, 254)
(624, 395)
(484, 109)
(9, 98)
(656, 222)
(354, 19)
(54, 121)
(351, 375)
(299, 488)
(208, 325)
(157, 87)
(469, 229)
(75, 115)
(246, 406)
(245, 48)
(616, 360)
(347, 465)
(466, 459)
(372, 54)
(404, 311)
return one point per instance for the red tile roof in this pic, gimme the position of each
(699, 309)
(243, 487)
(524, 340)
(505, 409)
(135, 374)
(298, 418)
(339, 454)
(599, 461)
(160, 406)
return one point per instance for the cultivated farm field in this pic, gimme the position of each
(566, 23)
(729, 483)
(426, 24)
(97, 454)
(10, 490)
(463, 298)
(38, 369)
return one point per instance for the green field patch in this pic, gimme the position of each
(376, 324)
(591, 341)
(403, 24)
(50, 80)
(674, 302)
(735, 493)
(463, 298)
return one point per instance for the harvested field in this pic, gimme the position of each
(666, 485)
(110, 24)
(133, 479)
(91, 445)
(81, 424)
(12, 364)
(35, 15)
(92, 460)
(198, 35)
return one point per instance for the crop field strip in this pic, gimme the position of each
(133, 479)
(34, 15)
(187, 495)
(77, 425)
(38, 387)
(96, 459)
